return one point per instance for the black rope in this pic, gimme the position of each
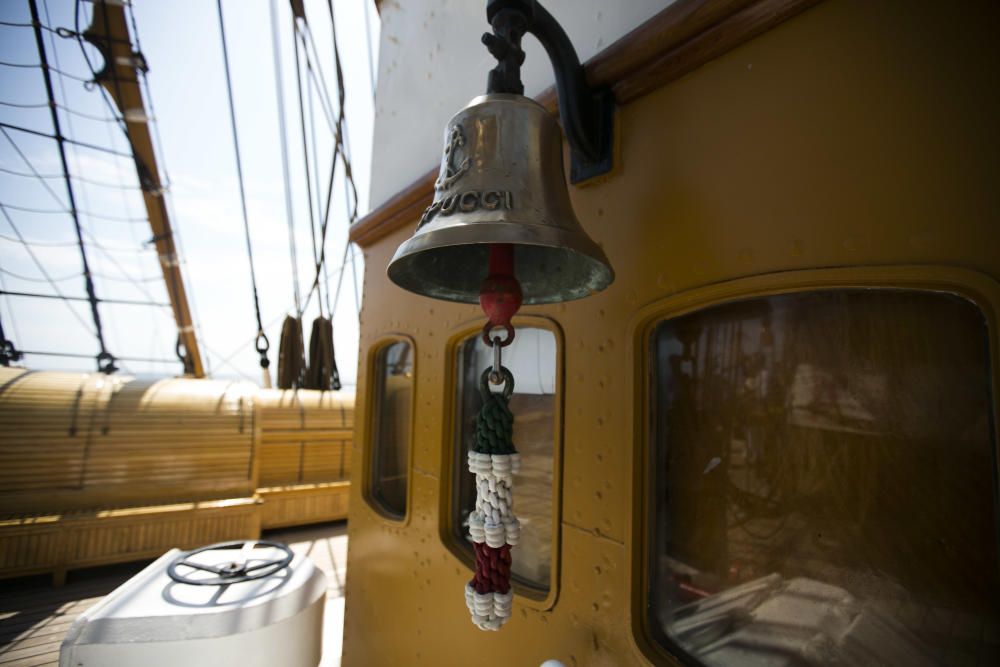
(74, 77)
(28, 209)
(75, 355)
(65, 297)
(80, 179)
(72, 244)
(66, 140)
(44, 279)
(24, 105)
(79, 211)
(88, 116)
(36, 24)
(24, 174)
(105, 361)
(262, 344)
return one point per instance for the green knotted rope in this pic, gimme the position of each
(495, 423)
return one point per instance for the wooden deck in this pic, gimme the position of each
(34, 616)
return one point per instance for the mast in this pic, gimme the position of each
(120, 74)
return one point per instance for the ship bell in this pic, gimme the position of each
(501, 182)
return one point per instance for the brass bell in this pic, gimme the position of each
(501, 182)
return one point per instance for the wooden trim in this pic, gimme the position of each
(406, 206)
(702, 42)
(678, 40)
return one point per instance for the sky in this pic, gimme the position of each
(181, 42)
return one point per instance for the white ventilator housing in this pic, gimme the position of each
(153, 621)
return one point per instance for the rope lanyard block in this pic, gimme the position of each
(492, 525)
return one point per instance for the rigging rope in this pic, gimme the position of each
(296, 38)
(90, 239)
(262, 344)
(75, 177)
(146, 177)
(66, 140)
(43, 279)
(165, 201)
(63, 297)
(104, 250)
(74, 77)
(12, 24)
(79, 211)
(280, 89)
(72, 244)
(41, 269)
(105, 361)
(23, 105)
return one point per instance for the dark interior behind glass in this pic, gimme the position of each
(391, 442)
(823, 482)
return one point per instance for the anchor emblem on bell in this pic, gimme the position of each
(449, 172)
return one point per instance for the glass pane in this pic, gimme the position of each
(391, 442)
(822, 472)
(531, 358)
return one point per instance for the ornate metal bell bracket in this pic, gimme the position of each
(587, 114)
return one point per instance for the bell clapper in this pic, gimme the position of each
(492, 458)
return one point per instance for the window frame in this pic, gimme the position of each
(526, 594)
(371, 430)
(980, 289)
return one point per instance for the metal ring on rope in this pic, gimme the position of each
(263, 345)
(508, 379)
(9, 353)
(489, 326)
(106, 363)
(232, 572)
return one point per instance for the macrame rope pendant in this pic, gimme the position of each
(492, 525)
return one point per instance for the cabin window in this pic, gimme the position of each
(531, 358)
(393, 378)
(823, 476)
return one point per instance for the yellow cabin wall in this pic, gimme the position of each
(856, 134)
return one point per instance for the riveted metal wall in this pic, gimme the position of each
(852, 136)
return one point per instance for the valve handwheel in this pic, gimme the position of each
(239, 569)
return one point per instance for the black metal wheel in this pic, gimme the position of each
(231, 572)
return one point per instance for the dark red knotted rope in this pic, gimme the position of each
(492, 569)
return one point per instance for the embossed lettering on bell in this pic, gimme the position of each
(501, 181)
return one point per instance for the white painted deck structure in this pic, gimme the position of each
(34, 616)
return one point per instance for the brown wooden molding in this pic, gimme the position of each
(678, 40)
(707, 43)
(404, 207)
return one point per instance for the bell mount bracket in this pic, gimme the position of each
(587, 113)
